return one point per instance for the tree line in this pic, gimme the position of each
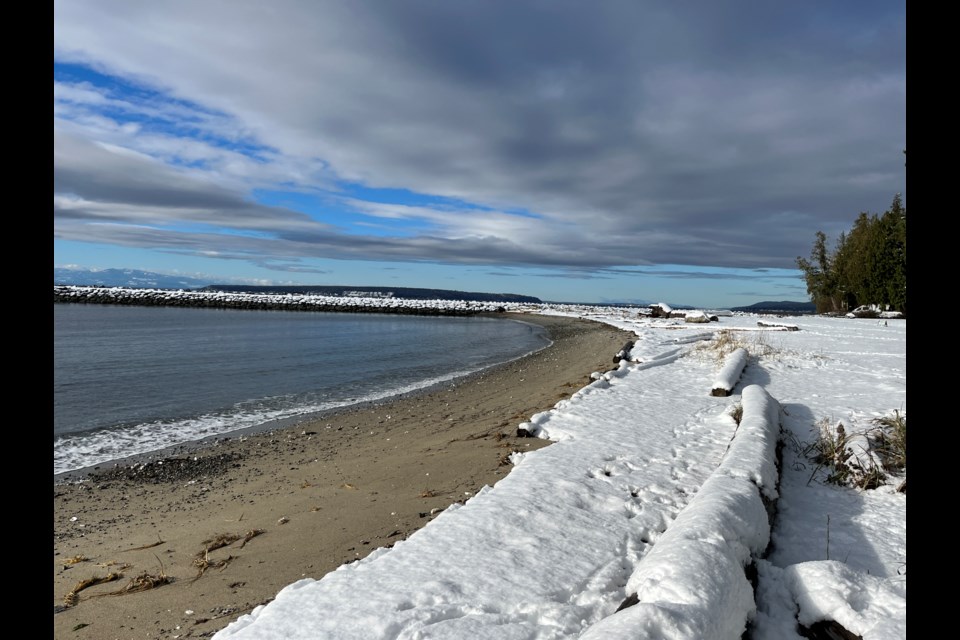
(868, 264)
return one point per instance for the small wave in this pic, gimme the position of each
(73, 452)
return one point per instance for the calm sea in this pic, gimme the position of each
(129, 380)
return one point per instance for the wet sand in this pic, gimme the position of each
(309, 497)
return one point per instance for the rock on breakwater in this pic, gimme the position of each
(286, 302)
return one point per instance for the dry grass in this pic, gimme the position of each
(889, 440)
(833, 450)
(736, 412)
(882, 451)
(726, 341)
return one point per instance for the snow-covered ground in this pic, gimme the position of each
(655, 501)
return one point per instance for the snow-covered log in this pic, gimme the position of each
(777, 326)
(697, 316)
(822, 591)
(753, 450)
(623, 354)
(693, 584)
(660, 310)
(729, 374)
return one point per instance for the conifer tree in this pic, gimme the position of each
(867, 266)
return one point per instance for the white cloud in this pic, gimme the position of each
(633, 133)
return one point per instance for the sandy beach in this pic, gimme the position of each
(200, 537)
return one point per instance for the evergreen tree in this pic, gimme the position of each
(867, 266)
(820, 275)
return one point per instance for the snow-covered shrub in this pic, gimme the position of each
(834, 450)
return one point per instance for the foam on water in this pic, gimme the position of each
(130, 381)
(72, 452)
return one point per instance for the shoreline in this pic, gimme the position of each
(323, 492)
(291, 422)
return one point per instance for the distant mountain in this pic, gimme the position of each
(131, 278)
(409, 293)
(785, 306)
(624, 302)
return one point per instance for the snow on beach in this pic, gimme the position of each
(654, 498)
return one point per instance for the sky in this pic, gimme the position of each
(594, 152)
(652, 488)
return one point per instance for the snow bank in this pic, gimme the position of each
(692, 583)
(872, 607)
(645, 492)
(548, 551)
(729, 374)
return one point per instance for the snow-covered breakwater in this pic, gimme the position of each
(287, 302)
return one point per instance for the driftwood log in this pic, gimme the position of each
(828, 630)
(623, 353)
(727, 379)
(781, 327)
(527, 430)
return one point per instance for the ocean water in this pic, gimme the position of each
(129, 380)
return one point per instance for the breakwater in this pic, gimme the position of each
(276, 302)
